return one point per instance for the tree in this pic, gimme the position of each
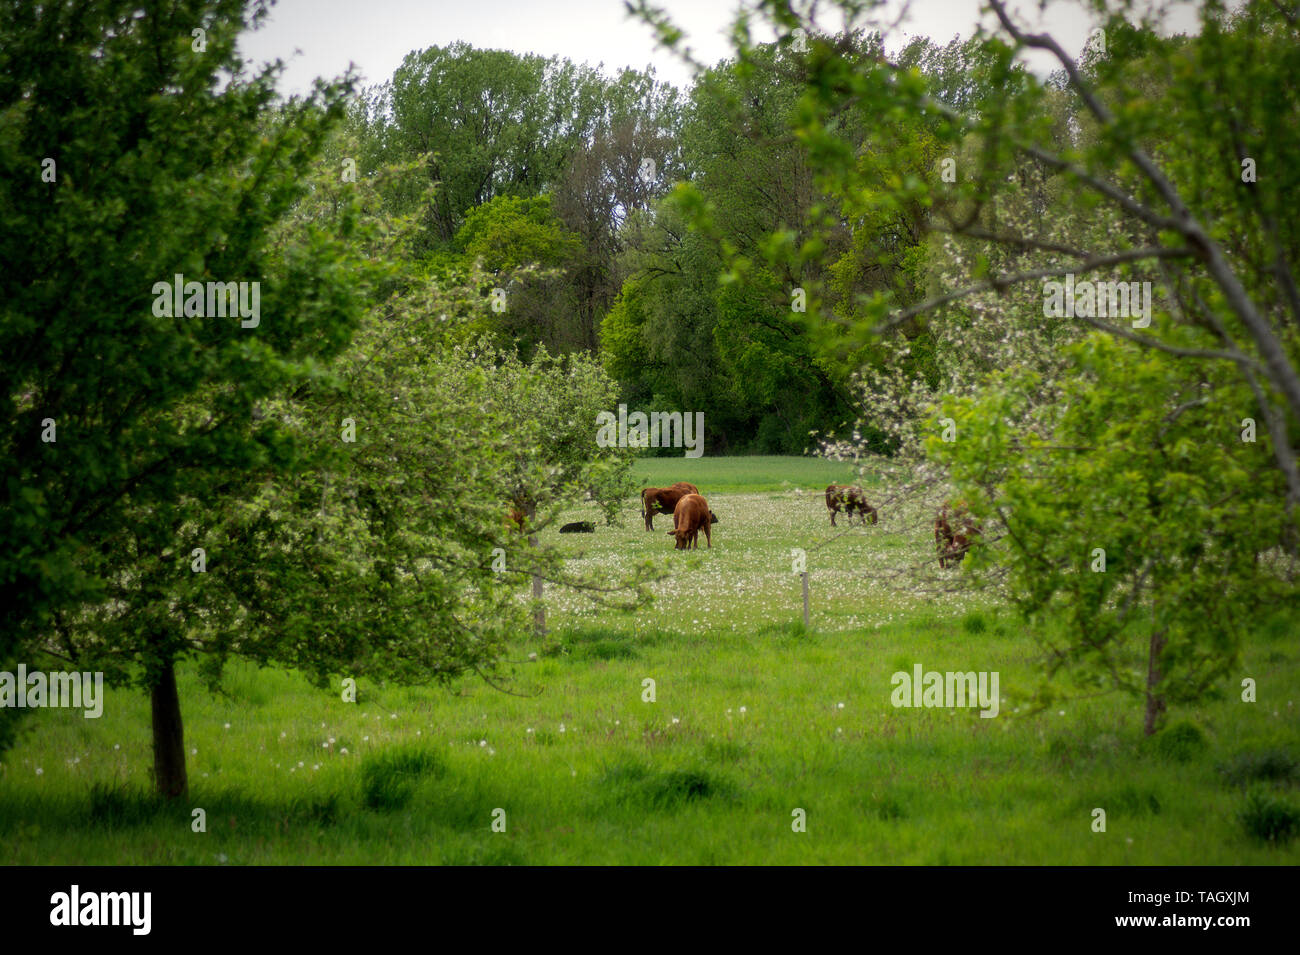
(488, 123)
(384, 552)
(658, 338)
(546, 412)
(1139, 534)
(139, 151)
(631, 160)
(514, 239)
(1156, 204)
(748, 176)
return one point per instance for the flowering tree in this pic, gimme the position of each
(1140, 536)
(326, 494)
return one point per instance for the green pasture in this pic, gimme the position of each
(752, 474)
(755, 721)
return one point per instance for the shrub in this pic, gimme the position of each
(1269, 818)
(1179, 742)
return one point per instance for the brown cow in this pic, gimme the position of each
(663, 500)
(689, 517)
(517, 512)
(955, 530)
(851, 499)
(516, 516)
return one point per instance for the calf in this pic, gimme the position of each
(663, 500)
(955, 530)
(690, 517)
(851, 499)
(579, 527)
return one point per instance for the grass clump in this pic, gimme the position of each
(389, 778)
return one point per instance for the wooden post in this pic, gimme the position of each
(539, 608)
(805, 599)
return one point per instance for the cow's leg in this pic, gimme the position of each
(832, 510)
(708, 537)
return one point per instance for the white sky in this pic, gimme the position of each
(321, 37)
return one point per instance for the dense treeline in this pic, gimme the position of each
(542, 163)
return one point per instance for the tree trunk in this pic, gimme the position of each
(1155, 700)
(169, 776)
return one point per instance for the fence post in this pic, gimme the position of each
(539, 608)
(805, 600)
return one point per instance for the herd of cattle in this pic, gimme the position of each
(955, 529)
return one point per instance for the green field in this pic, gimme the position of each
(754, 719)
(752, 474)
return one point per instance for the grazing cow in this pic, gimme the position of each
(663, 500)
(851, 499)
(954, 532)
(690, 517)
(579, 527)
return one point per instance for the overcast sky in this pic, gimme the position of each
(321, 37)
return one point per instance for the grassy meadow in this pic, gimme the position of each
(754, 718)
